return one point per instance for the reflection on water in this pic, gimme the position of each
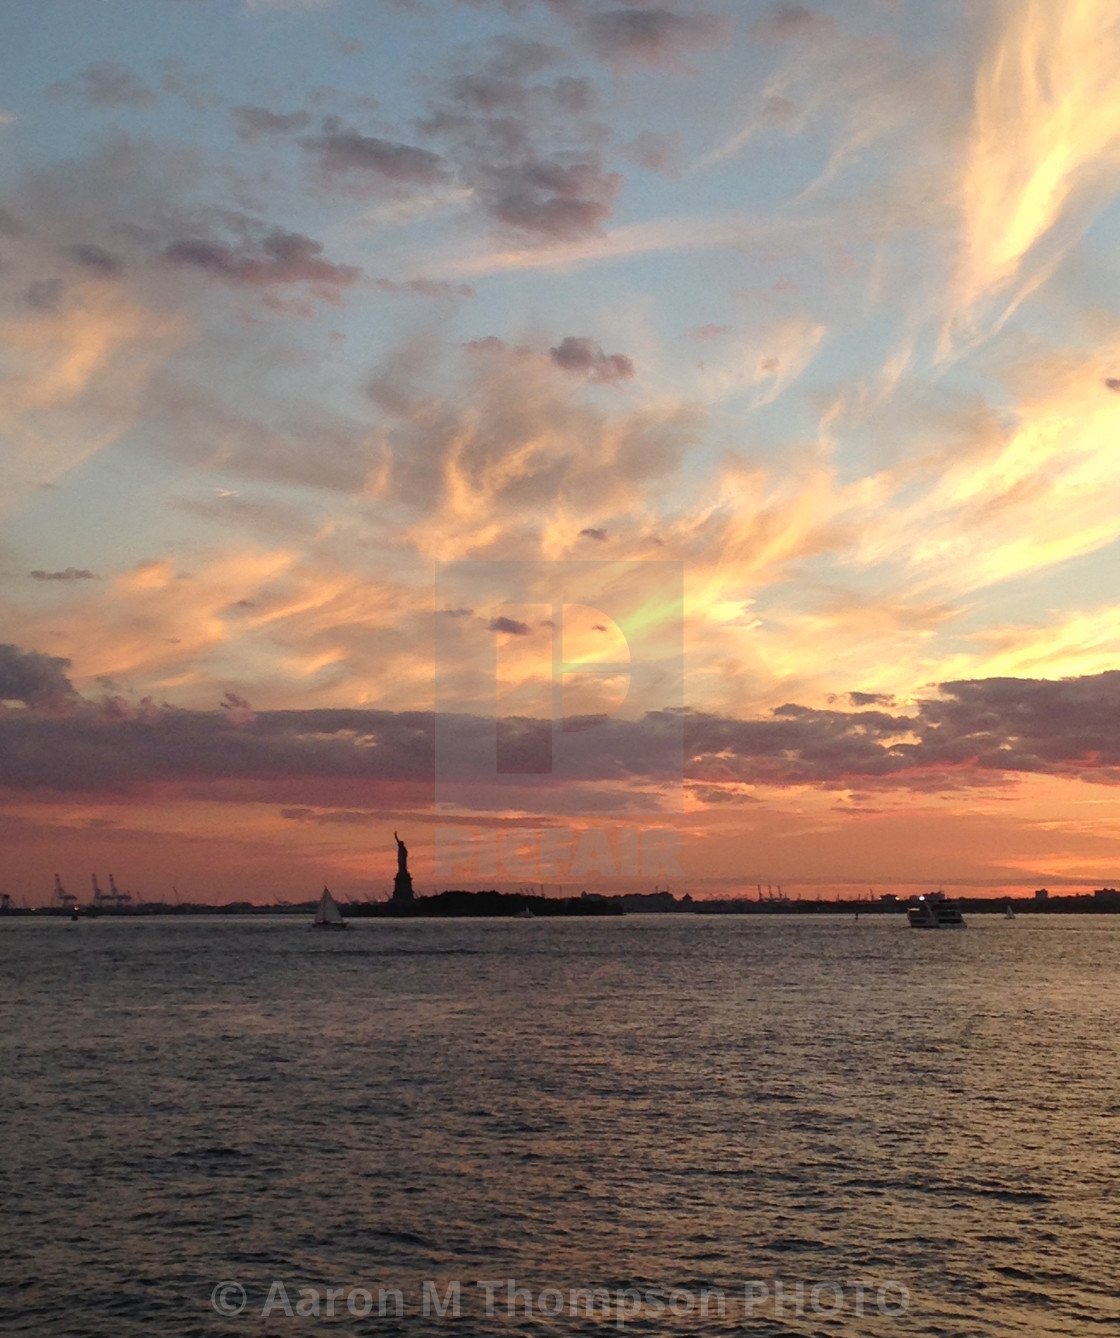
(654, 1102)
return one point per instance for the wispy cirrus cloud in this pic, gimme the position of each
(1043, 148)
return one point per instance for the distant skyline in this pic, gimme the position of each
(305, 298)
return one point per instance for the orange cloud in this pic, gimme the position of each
(1045, 140)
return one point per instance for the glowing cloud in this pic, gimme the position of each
(1046, 135)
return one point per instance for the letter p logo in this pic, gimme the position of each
(559, 685)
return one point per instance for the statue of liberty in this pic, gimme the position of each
(402, 884)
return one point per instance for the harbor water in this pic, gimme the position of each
(751, 1124)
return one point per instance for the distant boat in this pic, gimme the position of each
(328, 916)
(935, 911)
(1009, 914)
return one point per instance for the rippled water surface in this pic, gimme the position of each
(647, 1103)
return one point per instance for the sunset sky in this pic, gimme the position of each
(318, 312)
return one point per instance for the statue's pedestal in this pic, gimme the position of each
(402, 889)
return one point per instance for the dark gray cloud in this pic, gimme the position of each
(657, 152)
(107, 83)
(69, 574)
(576, 354)
(651, 36)
(1027, 724)
(552, 199)
(485, 94)
(788, 21)
(251, 123)
(426, 287)
(870, 699)
(125, 207)
(703, 333)
(714, 794)
(94, 258)
(515, 57)
(344, 151)
(38, 681)
(974, 732)
(346, 817)
(44, 294)
(1069, 727)
(797, 745)
(278, 258)
(630, 32)
(492, 344)
(585, 357)
(501, 85)
(98, 748)
(518, 134)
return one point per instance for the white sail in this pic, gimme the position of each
(328, 912)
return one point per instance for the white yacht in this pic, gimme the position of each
(935, 911)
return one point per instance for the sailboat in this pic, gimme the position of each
(328, 916)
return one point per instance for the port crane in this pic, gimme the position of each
(113, 897)
(64, 900)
